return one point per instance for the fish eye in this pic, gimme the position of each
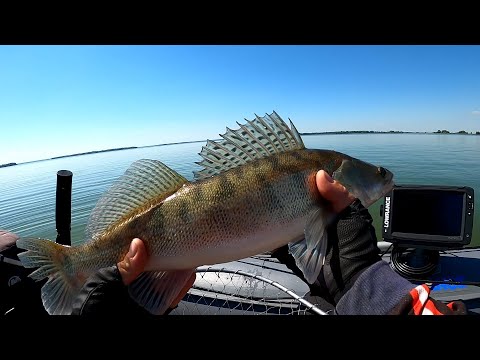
(381, 171)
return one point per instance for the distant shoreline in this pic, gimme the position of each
(442, 132)
(363, 132)
(93, 152)
(101, 151)
(9, 164)
(175, 143)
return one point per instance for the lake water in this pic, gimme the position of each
(27, 191)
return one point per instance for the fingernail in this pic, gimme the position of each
(328, 177)
(132, 251)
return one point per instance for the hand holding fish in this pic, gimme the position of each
(134, 263)
(332, 191)
(106, 291)
(354, 279)
(7, 237)
(352, 242)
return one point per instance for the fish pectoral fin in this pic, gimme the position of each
(156, 290)
(309, 253)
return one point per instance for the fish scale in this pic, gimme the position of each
(232, 208)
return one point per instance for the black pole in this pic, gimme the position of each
(63, 209)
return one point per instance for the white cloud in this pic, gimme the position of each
(476, 112)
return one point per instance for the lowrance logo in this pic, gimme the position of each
(386, 216)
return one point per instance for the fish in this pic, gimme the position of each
(255, 192)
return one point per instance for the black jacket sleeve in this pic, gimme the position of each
(356, 281)
(105, 294)
(379, 290)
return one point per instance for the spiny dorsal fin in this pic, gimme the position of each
(143, 181)
(258, 138)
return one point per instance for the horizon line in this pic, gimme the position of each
(339, 132)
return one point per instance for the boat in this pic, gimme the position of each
(257, 285)
(250, 286)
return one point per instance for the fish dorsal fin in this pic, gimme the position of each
(143, 181)
(258, 138)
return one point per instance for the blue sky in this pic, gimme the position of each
(59, 100)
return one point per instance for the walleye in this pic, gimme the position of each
(256, 192)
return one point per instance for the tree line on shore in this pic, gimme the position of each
(388, 132)
(459, 132)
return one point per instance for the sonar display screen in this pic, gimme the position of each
(427, 212)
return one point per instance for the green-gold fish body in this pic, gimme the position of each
(238, 213)
(256, 192)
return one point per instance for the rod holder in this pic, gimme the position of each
(63, 206)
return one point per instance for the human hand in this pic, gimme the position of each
(334, 192)
(134, 263)
(352, 243)
(7, 238)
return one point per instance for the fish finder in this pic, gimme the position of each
(421, 220)
(428, 216)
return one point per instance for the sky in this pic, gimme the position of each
(61, 100)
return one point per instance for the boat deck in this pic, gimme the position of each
(262, 285)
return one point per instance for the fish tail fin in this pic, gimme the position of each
(51, 259)
(156, 290)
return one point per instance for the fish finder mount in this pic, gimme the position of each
(422, 220)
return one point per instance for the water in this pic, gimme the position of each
(27, 191)
(415, 159)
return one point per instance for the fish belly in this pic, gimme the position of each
(266, 239)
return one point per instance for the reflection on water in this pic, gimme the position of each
(27, 191)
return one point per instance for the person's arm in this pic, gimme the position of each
(354, 278)
(361, 283)
(106, 292)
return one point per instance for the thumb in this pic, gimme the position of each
(134, 262)
(333, 191)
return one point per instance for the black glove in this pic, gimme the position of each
(105, 294)
(352, 247)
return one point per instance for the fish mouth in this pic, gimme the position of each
(368, 198)
(390, 184)
(387, 187)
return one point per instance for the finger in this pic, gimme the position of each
(7, 236)
(134, 262)
(185, 289)
(333, 191)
